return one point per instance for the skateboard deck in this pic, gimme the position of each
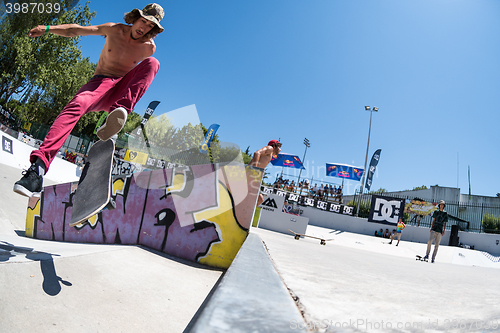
(322, 240)
(421, 258)
(94, 188)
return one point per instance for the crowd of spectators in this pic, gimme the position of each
(322, 192)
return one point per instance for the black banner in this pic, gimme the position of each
(7, 145)
(386, 210)
(371, 169)
(149, 112)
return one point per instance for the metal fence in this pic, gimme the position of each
(467, 216)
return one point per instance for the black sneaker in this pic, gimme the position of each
(31, 183)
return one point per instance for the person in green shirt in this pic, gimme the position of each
(439, 220)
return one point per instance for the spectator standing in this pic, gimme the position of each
(399, 230)
(439, 220)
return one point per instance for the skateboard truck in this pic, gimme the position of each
(111, 204)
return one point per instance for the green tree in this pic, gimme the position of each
(423, 187)
(491, 224)
(188, 137)
(247, 156)
(380, 190)
(43, 73)
(181, 145)
(133, 122)
(159, 131)
(364, 209)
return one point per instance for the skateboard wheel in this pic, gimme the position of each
(297, 237)
(323, 242)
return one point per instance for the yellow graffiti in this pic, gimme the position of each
(232, 236)
(136, 156)
(177, 184)
(118, 186)
(235, 173)
(30, 217)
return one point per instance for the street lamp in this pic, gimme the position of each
(367, 108)
(306, 143)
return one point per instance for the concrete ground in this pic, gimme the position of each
(66, 287)
(359, 283)
(355, 283)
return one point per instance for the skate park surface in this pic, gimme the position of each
(355, 283)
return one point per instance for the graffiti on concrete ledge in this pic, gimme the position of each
(200, 213)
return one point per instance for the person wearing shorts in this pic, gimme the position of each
(399, 231)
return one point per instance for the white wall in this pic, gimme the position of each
(317, 217)
(60, 171)
(273, 218)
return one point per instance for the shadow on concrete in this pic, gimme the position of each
(181, 261)
(51, 284)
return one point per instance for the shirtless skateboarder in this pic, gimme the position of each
(124, 72)
(263, 156)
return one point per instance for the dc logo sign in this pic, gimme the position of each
(386, 209)
(7, 145)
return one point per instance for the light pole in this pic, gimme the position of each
(367, 108)
(306, 143)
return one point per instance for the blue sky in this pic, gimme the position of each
(292, 69)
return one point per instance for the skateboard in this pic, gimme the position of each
(322, 240)
(421, 258)
(93, 193)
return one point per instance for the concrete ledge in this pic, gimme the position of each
(250, 298)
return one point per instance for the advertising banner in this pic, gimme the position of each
(287, 160)
(386, 210)
(208, 138)
(344, 171)
(371, 169)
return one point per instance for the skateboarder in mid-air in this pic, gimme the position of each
(263, 156)
(124, 72)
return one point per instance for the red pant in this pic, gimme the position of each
(98, 94)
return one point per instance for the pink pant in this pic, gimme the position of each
(98, 94)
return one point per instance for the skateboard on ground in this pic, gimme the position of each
(93, 193)
(297, 237)
(421, 258)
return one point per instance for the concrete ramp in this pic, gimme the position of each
(200, 213)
